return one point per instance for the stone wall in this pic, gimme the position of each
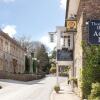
(20, 77)
(78, 57)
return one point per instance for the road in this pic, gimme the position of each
(33, 90)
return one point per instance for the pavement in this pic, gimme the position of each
(32, 90)
(64, 94)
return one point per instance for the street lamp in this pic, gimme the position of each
(25, 61)
(31, 69)
(37, 62)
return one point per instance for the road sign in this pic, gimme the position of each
(94, 32)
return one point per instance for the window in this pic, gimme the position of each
(1, 44)
(68, 41)
(6, 46)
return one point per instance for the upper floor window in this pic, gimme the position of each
(6, 46)
(69, 41)
(1, 43)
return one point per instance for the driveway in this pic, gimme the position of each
(32, 90)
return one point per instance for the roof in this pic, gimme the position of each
(5, 35)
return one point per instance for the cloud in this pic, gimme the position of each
(7, 1)
(63, 4)
(10, 29)
(46, 41)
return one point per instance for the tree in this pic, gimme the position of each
(40, 52)
(53, 54)
(43, 58)
(27, 43)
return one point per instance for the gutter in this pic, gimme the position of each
(67, 9)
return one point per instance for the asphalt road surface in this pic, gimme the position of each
(32, 90)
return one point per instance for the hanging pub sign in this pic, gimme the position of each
(94, 32)
(51, 34)
(71, 25)
(64, 55)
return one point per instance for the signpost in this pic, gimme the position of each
(71, 25)
(94, 32)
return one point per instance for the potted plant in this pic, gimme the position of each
(0, 87)
(74, 80)
(57, 88)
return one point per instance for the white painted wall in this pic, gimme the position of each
(67, 63)
(73, 6)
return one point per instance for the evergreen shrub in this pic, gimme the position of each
(95, 92)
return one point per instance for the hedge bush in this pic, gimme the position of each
(95, 92)
(91, 70)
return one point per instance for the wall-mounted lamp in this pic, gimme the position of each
(87, 22)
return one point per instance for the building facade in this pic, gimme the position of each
(83, 10)
(12, 55)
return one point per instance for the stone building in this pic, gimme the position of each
(12, 55)
(83, 10)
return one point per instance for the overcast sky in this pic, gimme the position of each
(32, 18)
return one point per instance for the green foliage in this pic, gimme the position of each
(57, 88)
(53, 54)
(34, 64)
(97, 98)
(27, 64)
(66, 69)
(53, 69)
(42, 56)
(95, 92)
(74, 80)
(87, 80)
(63, 73)
(91, 71)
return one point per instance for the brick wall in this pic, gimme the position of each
(88, 9)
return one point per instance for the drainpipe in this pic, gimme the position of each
(67, 9)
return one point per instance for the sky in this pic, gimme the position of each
(32, 18)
